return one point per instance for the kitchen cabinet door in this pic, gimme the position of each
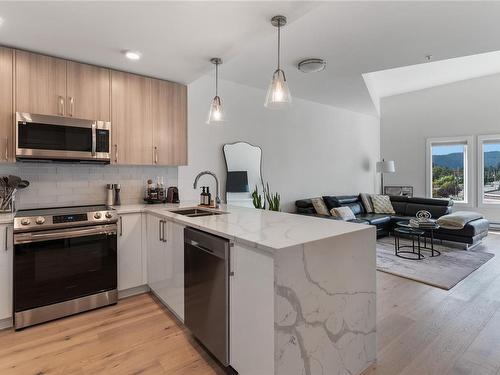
(129, 251)
(88, 92)
(40, 84)
(174, 291)
(251, 311)
(6, 266)
(131, 119)
(156, 253)
(6, 105)
(169, 123)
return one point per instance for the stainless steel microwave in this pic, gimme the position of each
(54, 138)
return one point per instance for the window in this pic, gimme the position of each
(489, 169)
(448, 168)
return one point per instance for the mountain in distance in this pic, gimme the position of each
(455, 159)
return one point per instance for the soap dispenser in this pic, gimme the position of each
(202, 196)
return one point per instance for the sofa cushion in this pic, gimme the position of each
(320, 206)
(344, 213)
(367, 202)
(471, 229)
(431, 201)
(331, 202)
(375, 219)
(382, 204)
(303, 203)
(353, 202)
(458, 219)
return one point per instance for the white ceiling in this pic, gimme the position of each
(396, 81)
(178, 38)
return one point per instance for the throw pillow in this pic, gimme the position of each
(344, 213)
(331, 202)
(320, 206)
(382, 204)
(367, 202)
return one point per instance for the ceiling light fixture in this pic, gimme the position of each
(278, 95)
(132, 55)
(216, 113)
(311, 65)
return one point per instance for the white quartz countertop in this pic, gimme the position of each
(262, 229)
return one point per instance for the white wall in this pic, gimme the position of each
(467, 108)
(308, 150)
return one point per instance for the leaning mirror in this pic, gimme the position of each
(243, 166)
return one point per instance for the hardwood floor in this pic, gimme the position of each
(137, 336)
(422, 330)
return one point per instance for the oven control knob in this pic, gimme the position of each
(97, 215)
(40, 220)
(109, 215)
(25, 221)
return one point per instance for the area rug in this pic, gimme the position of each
(444, 271)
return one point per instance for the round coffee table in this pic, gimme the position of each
(428, 233)
(414, 234)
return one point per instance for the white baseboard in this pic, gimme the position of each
(133, 291)
(6, 323)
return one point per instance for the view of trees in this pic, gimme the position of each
(447, 182)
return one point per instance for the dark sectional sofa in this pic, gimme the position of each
(405, 208)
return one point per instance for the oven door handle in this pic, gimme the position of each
(20, 238)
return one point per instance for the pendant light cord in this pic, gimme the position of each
(217, 79)
(279, 43)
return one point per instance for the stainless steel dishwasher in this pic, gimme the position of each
(206, 291)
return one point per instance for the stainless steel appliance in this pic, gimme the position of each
(206, 291)
(55, 138)
(65, 262)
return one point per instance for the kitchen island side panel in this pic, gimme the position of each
(325, 306)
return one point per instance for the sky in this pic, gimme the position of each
(447, 149)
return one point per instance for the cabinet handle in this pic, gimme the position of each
(156, 155)
(61, 105)
(6, 238)
(164, 223)
(116, 153)
(121, 226)
(159, 230)
(71, 106)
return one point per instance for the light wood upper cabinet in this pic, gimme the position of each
(6, 105)
(169, 123)
(132, 121)
(40, 84)
(88, 92)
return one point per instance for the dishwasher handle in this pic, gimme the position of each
(208, 243)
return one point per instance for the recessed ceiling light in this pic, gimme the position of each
(132, 55)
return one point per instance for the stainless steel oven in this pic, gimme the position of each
(63, 271)
(42, 137)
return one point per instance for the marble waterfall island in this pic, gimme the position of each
(302, 294)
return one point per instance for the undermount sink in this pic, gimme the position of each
(196, 212)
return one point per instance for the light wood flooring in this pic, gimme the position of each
(422, 330)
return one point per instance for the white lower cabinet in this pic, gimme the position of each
(165, 244)
(251, 311)
(130, 268)
(6, 266)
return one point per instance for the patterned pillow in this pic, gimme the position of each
(382, 204)
(367, 202)
(320, 206)
(345, 213)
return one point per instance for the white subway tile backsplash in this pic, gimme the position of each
(76, 184)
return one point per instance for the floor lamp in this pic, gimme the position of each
(384, 166)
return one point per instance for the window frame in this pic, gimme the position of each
(480, 169)
(469, 171)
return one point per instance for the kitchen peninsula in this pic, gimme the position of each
(302, 290)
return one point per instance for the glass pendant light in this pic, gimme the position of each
(216, 113)
(278, 95)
